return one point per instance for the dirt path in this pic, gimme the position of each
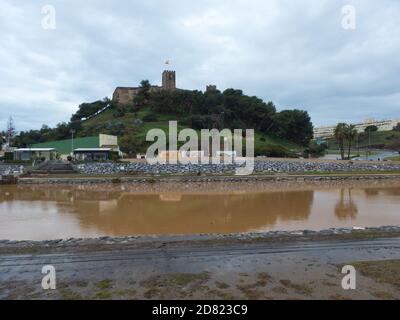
(309, 270)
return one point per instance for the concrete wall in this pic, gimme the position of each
(106, 140)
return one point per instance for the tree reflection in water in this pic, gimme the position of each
(119, 212)
(128, 210)
(345, 208)
(177, 213)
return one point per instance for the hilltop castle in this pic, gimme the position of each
(125, 95)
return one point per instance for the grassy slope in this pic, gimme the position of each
(162, 123)
(394, 158)
(377, 138)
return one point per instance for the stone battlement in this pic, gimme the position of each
(125, 95)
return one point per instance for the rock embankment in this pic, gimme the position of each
(6, 169)
(267, 166)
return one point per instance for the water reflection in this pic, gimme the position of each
(379, 191)
(345, 207)
(123, 213)
(35, 212)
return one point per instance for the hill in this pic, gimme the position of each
(282, 133)
(133, 127)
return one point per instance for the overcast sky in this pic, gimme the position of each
(295, 53)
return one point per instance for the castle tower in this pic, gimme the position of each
(211, 88)
(168, 80)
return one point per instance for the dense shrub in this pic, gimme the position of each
(234, 110)
(315, 150)
(274, 151)
(114, 156)
(8, 156)
(151, 117)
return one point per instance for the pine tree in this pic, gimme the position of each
(10, 130)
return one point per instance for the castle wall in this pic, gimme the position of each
(125, 95)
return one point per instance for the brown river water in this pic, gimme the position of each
(41, 212)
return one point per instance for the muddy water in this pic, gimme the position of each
(53, 212)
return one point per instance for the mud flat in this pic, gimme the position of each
(281, 265)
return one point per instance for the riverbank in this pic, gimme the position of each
(118, 179)
(214, 184)
(264, 170)
(203, 240)
(261, 166)
(297, 265)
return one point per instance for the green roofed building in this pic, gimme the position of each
(66, 147)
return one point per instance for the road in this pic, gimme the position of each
(378, 155)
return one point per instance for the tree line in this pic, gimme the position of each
(233, 110)
(212, 109)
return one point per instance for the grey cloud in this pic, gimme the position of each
(294, 53)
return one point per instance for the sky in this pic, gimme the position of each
(339, 63)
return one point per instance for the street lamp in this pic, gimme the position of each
(369, 142)
(72, 140)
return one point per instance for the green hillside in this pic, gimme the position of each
(283, 133)
(132, 128)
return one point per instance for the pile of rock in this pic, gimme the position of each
(144, 168)
(319, 166)
(7, 169)
(266, 166)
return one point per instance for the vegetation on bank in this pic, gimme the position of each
(348, 173)
(284, 133)
(389, 140)
(393, 158)
(345, 134)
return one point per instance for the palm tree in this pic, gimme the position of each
(350, 135)
(340, 136)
